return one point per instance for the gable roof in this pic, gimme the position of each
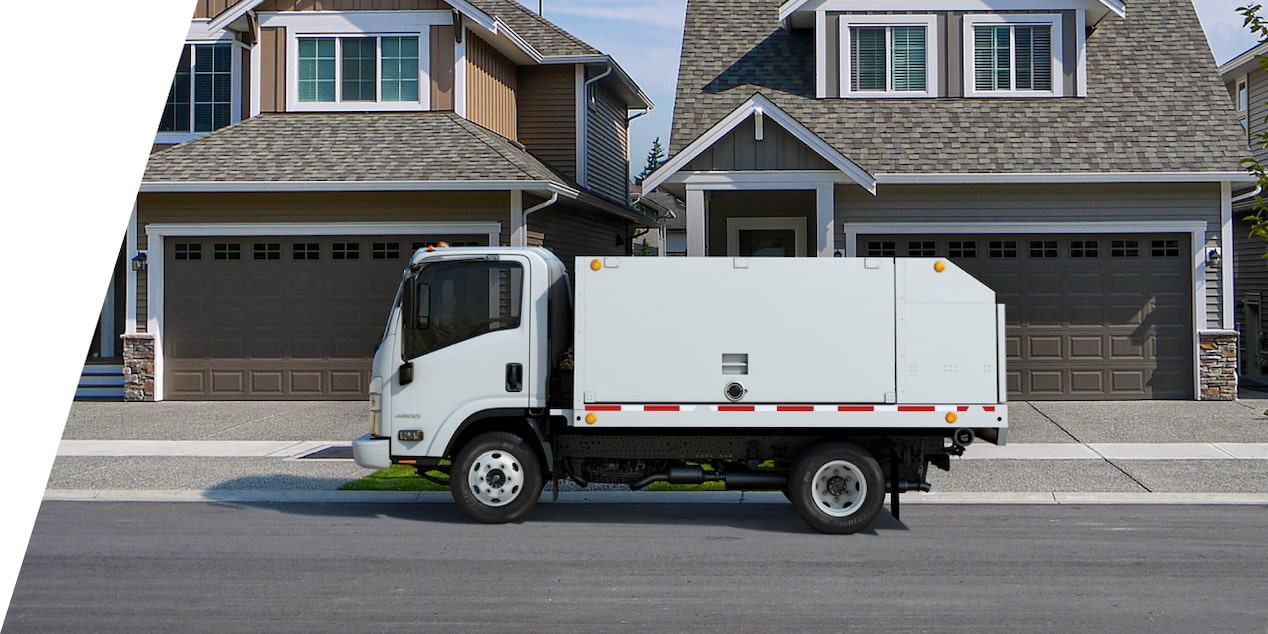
(798, 8)
(1154, 104)
(1244, 63)
(760, 106)
(349, 147)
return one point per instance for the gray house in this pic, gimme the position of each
(1247, 86)
(1030, 142)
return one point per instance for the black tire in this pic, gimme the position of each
(837, 487)
(496, 478)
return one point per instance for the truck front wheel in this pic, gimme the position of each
(496, 478)
(837, 487)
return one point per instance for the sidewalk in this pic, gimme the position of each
(1058, 452)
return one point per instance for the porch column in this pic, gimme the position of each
(519, 234)
(825, 219)
(696, 226)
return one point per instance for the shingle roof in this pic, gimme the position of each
(542, 34)
(1155, 102)
(350, 147)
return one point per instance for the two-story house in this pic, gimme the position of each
(318, 143)
(1247, 86)
(1079, 156)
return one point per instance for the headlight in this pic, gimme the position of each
(376, 414)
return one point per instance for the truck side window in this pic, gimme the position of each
(461, 300)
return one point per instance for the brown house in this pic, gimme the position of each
(309, 146)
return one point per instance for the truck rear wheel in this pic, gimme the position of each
(496, 478)
(837, 487)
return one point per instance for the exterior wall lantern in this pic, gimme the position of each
(138, 262)
(1213, 257)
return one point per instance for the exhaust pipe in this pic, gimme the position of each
(907, 485)
(734, 479)
(677, 474)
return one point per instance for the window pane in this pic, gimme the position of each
(213, 86)
(400, 68)
(176, 110)
(909, 58)
(867, 59)
(358, 68)
(1041, 57)
(317, 69)
(461, 300)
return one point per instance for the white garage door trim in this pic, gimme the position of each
(157, 233)
(1197, 242)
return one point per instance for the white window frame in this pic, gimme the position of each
(338, 24)
(796, 224)
(932, 53)
(1052, 20)
(235, 94)
(1241, 101)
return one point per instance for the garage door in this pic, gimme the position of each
(278, 318)
(1088, 316)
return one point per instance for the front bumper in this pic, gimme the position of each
(372, 452)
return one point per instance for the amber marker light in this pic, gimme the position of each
(951, 417)
(939, 266)
(595, 265)
(591, 419)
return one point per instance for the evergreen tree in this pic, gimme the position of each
(655, 158)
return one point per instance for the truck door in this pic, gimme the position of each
(465, 338)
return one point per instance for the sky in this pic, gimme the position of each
(645, 36)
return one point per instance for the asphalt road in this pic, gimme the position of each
(117, 567)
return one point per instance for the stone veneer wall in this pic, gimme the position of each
(1218, 365)
(138, 367)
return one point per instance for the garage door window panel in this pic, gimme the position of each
(267, 251)
(457, 301)
(225, 251)
(305, 251)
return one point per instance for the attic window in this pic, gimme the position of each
(1013, 55)
(889, 56)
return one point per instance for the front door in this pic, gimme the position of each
(467, 336)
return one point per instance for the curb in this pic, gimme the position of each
(635, 497)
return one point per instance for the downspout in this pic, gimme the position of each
(1250, 194)
(554, 198)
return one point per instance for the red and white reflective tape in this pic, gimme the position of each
(787, 408)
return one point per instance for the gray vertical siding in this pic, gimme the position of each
(1256, 109)
(607, 145)
(740, 150)
(570, 232)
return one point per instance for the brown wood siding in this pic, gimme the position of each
(607, 146)
(740, 150)
(571, 232)
(442, 72)
(351, 5)
(548, 115)
(313, 207)
(247, 87)
(491, 83)
(272, 70)
(204, 9)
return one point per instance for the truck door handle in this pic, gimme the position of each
(514, 377)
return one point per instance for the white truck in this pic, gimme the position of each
(834, 380)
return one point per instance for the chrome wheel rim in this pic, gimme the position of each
(496, 478)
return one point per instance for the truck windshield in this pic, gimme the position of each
(461, 300)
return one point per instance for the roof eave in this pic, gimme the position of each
(209, 187)
(1243, 63)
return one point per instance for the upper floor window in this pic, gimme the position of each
(1243, 102)
(379, 69)
(889, 56)
(1013, 55)
(358, 60)
(201, 98)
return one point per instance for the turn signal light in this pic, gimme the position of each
(591, 419)
(595, 265)
(939, 266)
(951, 417)
(410, 435)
